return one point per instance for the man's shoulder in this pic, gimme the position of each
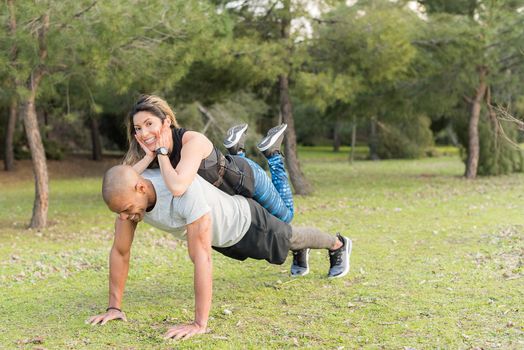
(150, 173)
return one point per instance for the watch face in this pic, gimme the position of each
(162, 151)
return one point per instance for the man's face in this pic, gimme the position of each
(130, 206)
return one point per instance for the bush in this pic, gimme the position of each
(497, 155)
(53, 150)
(409, 138)
(240, 108)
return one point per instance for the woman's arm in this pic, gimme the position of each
(195, 148)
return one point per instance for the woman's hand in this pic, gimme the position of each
(164, 136)
(149, 154)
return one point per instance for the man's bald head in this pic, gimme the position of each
(119, 182)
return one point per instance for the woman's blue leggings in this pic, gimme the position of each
(274, 195)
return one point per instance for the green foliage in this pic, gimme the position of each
(310, 127)
(324, 89)
(498, 156)
(53, 150)
(449, 52)
(239, 108)
(460, 7)
(408, 138)
(361, 56)
(375, 58)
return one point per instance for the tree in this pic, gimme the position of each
(361, 56)
(474, 52)
(94, 44)
(274, 25)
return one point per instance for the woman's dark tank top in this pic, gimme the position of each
(231, 174)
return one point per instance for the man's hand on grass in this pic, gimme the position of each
(184, 331)
(108, 316)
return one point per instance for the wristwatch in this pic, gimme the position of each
(161, 151)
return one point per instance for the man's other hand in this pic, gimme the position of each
(184, 331)
(108, 316)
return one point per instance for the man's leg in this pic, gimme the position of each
(271, 239)
(305, 238)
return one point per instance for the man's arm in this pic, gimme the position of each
(118, 269)
(199, 246)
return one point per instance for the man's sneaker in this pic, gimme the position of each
(235, 138)
(271, 143)
(300, 265)
(339, 259)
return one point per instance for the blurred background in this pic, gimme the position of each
(394, 79)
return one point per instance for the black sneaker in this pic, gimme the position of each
(339, 259)
(271, 143)
(235, 138)
(300, 265)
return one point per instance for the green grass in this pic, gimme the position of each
(437, 263)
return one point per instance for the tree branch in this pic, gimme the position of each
(78, 14)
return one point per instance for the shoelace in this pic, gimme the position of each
(296, 256)
(335, 258)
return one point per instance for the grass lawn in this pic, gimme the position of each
(438, 262)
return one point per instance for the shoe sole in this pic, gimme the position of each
(349, 247)
(307, 263)
(234, 134)
(270, 139)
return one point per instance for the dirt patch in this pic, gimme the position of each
(71, 166)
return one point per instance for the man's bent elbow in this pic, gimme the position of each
(202, 256)
(120, 254)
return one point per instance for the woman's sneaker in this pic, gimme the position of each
(235, 138)
(339, 259)
(300, 265)
(271, 143)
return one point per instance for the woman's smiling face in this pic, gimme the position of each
(147, 126)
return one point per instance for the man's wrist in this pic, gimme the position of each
(202, 325)
(113, 308)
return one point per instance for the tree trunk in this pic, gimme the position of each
(300, 183)
(39, 218)
(95, 139)
(336, 137)
(373, 140)
(9, 156)
(353, 140)
(473, 130)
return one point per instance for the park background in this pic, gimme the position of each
(404, 122)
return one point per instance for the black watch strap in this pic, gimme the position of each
(113, 308)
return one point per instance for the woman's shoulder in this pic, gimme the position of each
(191, 135)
